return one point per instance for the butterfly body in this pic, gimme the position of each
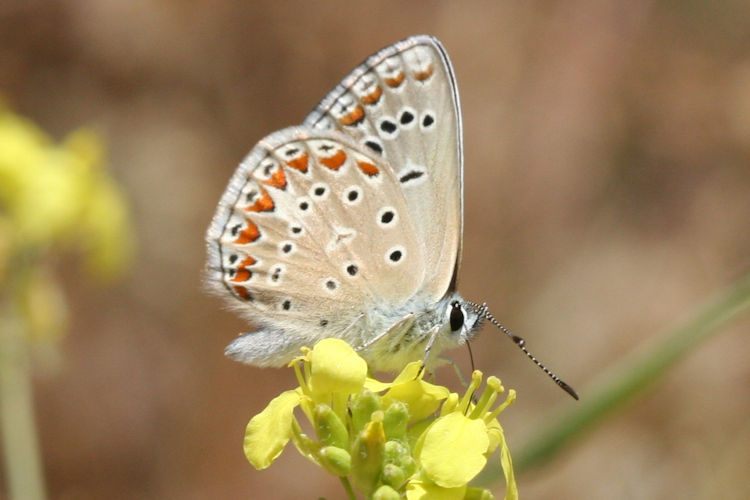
(419, 324)
(350, 225)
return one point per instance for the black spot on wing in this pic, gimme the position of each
(410, 176)
(374, 146)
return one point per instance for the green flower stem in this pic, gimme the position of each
(348, 487)
(23, 465)
(635, 376)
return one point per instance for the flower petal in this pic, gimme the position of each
(511, 490)
(424, 489)
(495, 433)
(422, 398)
(269, 431)
(376, 385)
(336, 368)
(452, 452)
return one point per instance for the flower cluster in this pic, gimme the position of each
(385, 440)
(54, 197)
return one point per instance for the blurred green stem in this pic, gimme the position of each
(634, 376)
(23, 468)
(348, 487)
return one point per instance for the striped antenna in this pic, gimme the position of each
(484, 311)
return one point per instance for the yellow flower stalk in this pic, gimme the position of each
(407, 438)
(53, 197)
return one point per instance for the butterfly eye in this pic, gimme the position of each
(456, 317)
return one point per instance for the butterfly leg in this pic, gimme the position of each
(433, 337)
(352, 324)
(396, 331)
(456, 369)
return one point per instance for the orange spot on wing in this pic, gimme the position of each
(354, 117)
(424, 75)
(262, 204)
(300, 163)
(243, 273)
(277, 180)
(249, 234)
(334, 162)
(395, 81)
(373, 97)
(249, 261)
(242, 292)
(368, 168)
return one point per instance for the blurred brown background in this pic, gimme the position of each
(607, 197)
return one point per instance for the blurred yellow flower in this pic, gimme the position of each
(54, 197)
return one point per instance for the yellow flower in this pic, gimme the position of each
(54, 197)
(334, 369)
(268, 432)
(422, 398)
(59, 194)
(454, 448)
(416, 439)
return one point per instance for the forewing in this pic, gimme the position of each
(402, 104)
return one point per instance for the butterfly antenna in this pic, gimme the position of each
(484, 311)
(471, 355)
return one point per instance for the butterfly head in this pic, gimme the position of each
(463, 318)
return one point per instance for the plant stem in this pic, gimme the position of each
(635, 375)
(348, 487)
(23, 467)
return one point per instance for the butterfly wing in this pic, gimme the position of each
(402, 104)
(312, 232)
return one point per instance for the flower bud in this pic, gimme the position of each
(329, 427)
(395, 419)
(393, 475)
(362, 406)
(367, 454)
(478, 494)
(335, 460)
(385, 492)
(395, 452)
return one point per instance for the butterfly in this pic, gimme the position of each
(350, 224)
